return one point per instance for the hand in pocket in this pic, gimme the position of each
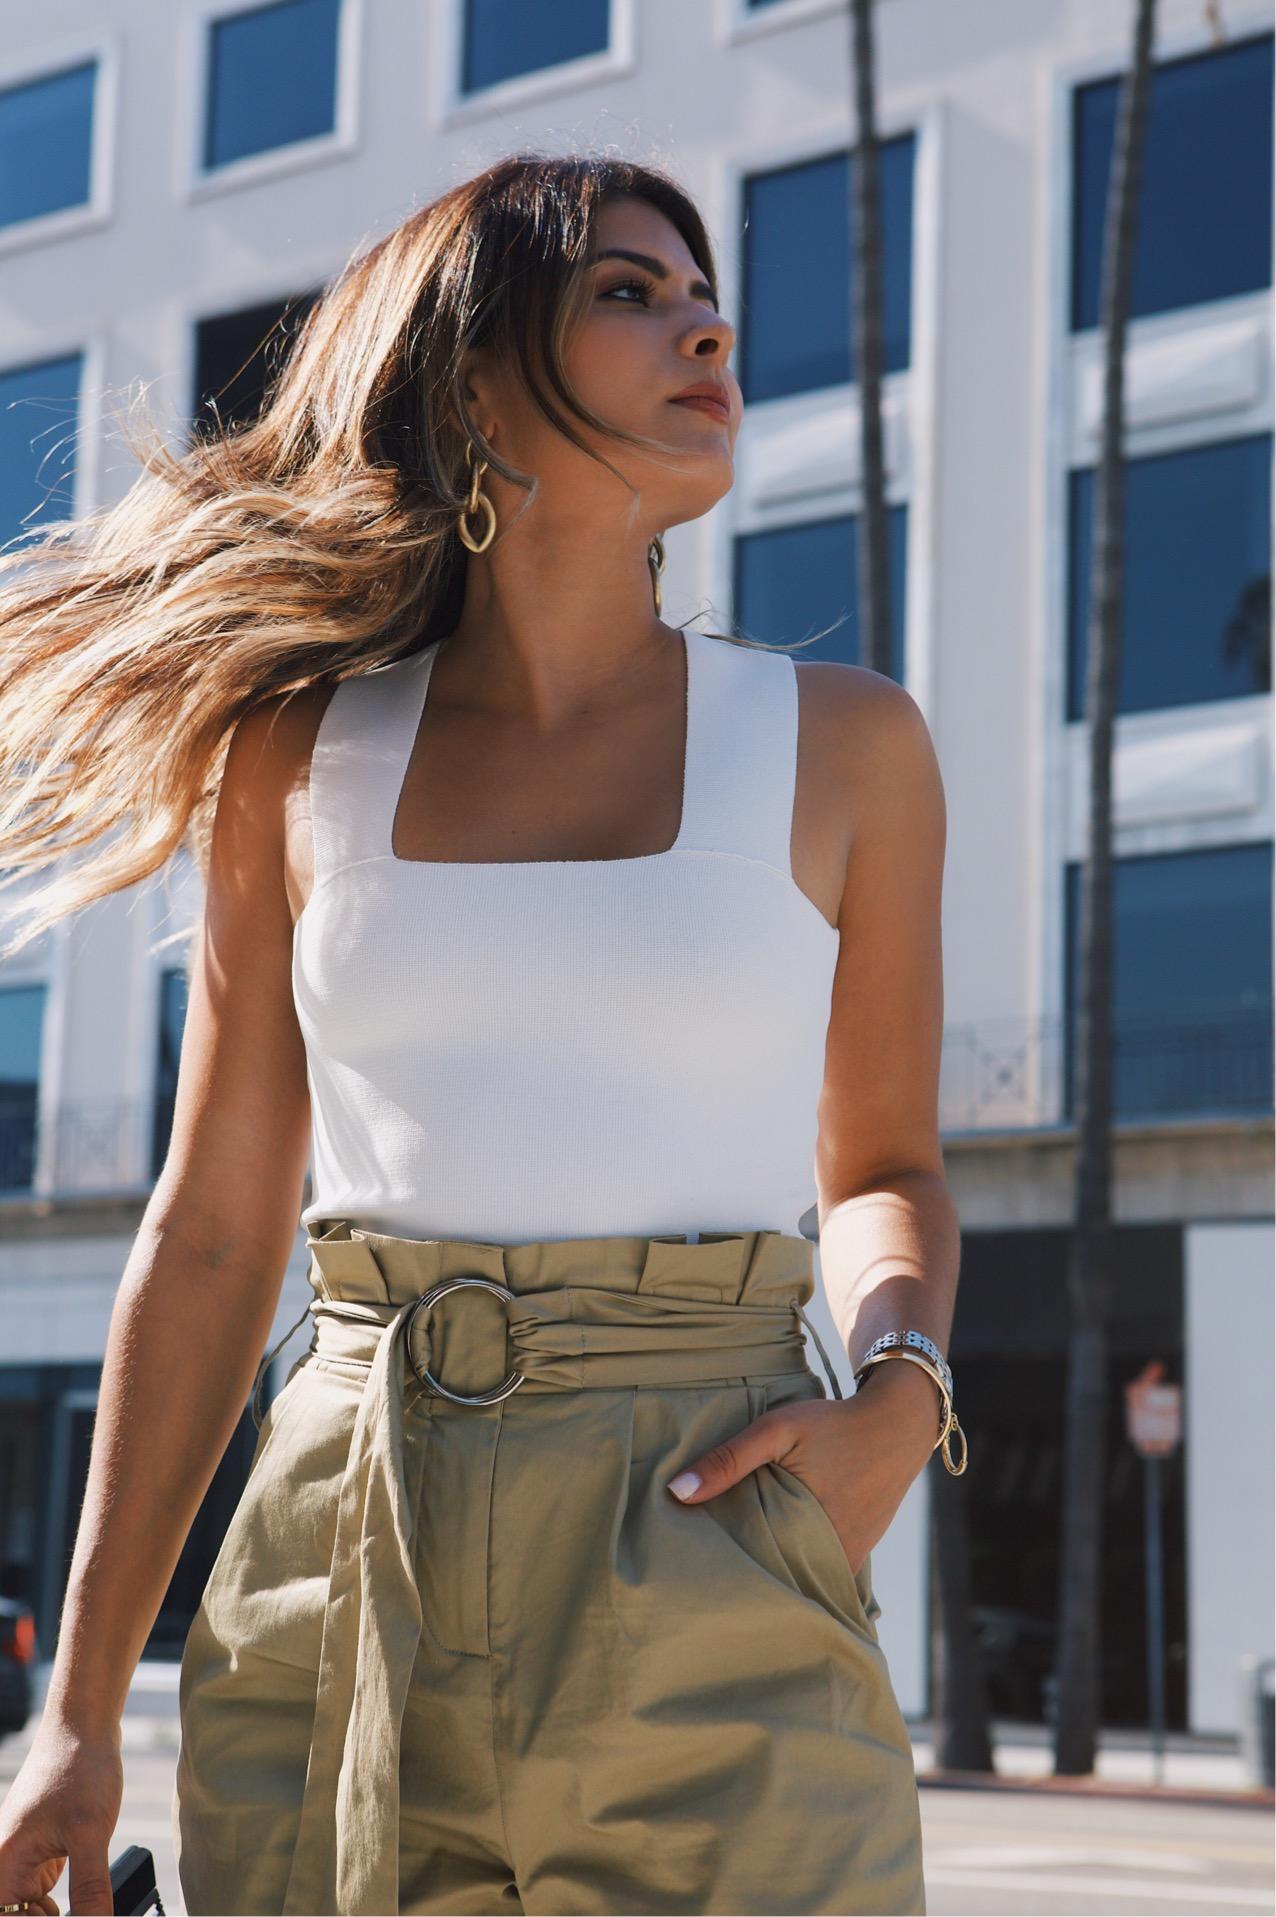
(857, 1456)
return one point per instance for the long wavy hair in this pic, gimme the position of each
(317, 541)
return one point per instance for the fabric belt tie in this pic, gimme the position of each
(561, 1338)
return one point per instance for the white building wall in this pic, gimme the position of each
(1229, 1432)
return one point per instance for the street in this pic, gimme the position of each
(1007, 1851)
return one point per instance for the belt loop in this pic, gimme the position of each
(837, 1389)
(261, 1369)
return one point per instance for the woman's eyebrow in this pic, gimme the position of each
(653, 265)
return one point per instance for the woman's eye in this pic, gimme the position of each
(631, 286)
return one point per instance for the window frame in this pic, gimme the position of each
(197, 182)
(91, 350)
(1193, 43)
(1188, 432)
(737, 20)
(173, 901)
(797, 514)
(227, 308)
(45, 963)
(452, 106)
(32, 976)
(28, 69)
(1192, 1119)
(161, 974)
(797, 455)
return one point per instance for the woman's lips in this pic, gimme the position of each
(704, 405)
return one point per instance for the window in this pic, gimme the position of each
(174, 994)
(46, 142)
(795, 333)
(38, 416)
(21, 1022)
(502, 38)
(1198, 580)
(1192, 982)
(239, 356)
(1204, 228)
(793, 581)
(272, 79)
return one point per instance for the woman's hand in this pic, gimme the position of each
(62, 1806)
(857, 1455)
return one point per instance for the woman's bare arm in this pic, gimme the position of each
(199, 1292)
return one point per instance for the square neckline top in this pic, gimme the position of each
(353, 803)
(634, 1043)
(424, 665)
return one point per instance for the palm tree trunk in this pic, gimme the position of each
(959, 1698)
(1090, 1272)
(865, 216)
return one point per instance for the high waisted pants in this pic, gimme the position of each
(476, 1657)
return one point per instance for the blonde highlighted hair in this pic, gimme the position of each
(315, 542)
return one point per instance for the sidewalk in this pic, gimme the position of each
(1195, 1768)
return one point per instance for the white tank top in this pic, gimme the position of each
(565, 1048)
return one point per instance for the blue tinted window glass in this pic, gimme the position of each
(1192, 981)
(38, 424)
(507, 37)
(46, 141)
(272, 78)
(1204, 228)
(174, 996)
(795, 321)
(239, 356)
(1198, 576)
(21, 1026)
(796, 580)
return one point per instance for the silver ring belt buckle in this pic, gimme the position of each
(430, 1382)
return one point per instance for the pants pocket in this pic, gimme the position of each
(802, 1530)
(260, 1619)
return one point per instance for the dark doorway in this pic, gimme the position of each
(1008, 1353)
(47, 1417)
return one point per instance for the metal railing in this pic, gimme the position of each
(996, 1074)
(80, 1145)
(1018, 1074)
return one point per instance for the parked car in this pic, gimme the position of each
(17, 1664)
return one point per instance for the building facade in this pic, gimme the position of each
(174, 178)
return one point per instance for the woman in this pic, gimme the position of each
(527, 919)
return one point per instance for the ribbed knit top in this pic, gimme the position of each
(565, 1048)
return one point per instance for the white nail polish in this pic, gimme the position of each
(685, 1484)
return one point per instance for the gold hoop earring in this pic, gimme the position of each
(656, 561)
(476, 500)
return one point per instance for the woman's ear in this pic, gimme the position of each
(475, 379)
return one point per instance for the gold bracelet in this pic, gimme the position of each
(947, 1417)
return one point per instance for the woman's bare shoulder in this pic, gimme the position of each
(282, 729)
(851, 718)
(851, 695)
(269, 765)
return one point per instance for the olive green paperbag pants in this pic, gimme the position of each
(475, 1657)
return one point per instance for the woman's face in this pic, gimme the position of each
(649, 329)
